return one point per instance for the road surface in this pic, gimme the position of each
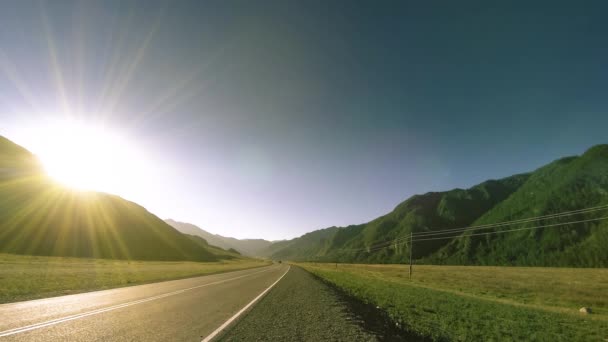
(300, 308)
(179, 310)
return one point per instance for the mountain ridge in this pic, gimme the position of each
(40, 217)
(248, 247)
(565, 184)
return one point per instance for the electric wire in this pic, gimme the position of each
(424, 235)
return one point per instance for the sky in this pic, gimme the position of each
(270, 119)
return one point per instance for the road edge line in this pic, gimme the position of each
(211, 336)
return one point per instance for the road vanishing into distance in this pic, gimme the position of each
(193, 309)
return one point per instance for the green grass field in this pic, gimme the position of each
(482, 303)
(31, 277)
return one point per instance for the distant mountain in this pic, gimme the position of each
(449, 209)
(40, 217)
(249, 247)
(564, 185)
(307, 246)
(217, 251)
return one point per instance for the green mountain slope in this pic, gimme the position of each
(40, 217)
(311, 245)
(433, 210)
(567, 184)
(249, 247)
(564, 185)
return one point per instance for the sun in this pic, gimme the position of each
(88, 157)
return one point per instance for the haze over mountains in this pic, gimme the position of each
(249, 247)
(566, 184)
(40, 217)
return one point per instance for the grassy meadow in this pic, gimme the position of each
(481, 303)
(25, 277)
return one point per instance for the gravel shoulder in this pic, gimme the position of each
(299, 308)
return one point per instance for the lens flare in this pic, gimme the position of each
(87, 157)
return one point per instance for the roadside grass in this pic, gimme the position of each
(24, 277)
(481, 303)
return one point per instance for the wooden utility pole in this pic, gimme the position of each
(411, 247)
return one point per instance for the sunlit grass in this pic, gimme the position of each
(482, 303)
(32, 277)
(563, 289)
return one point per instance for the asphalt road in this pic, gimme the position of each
(300, 308)
(178, 310)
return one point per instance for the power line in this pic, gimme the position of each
(507, 223)
(404, 240)
(462, 229)
(517, 229)
(496, 232)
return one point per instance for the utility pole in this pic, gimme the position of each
(411, 247)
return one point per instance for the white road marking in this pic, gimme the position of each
(114, 307)
(227, 323)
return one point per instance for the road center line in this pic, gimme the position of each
(227, 323)
(114, 307)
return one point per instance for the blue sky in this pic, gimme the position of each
(274, 118)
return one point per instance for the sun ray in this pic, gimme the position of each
(56, 70)
(90, 219)
(88, 156)
(114, 62)
(110, 230)
(30, 213)
(79, 51)
(53, 210)
(186, 88)
(127, 74)
(12, 73)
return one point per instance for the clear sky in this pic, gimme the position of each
(274, 118)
